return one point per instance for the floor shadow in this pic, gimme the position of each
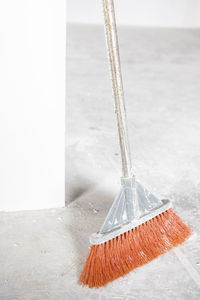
(74, 191)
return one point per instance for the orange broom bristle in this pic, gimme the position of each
(117, 257)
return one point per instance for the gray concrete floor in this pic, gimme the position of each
(42, 252)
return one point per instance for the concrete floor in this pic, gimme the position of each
(42, 252)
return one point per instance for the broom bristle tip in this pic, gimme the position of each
(117, 257)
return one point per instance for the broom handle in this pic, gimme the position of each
(117, 86)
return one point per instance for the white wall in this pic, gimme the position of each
(162, 13)
(32, 85)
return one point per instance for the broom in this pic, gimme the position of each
(139, 227)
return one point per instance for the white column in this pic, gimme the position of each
(32, 104)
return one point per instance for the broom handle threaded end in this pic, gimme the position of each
(117, 86)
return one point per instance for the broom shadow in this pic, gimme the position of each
(91, 206)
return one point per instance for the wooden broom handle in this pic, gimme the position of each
(117, 86)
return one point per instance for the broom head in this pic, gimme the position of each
(137, 229)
